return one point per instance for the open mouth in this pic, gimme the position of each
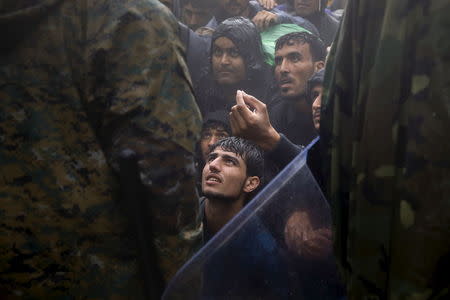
(285, 81)
(213, 178)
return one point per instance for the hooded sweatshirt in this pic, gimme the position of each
(79, 81)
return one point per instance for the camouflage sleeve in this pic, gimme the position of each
(138, 63)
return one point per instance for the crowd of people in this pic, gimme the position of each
(133, 131)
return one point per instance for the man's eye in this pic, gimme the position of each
(278, 61)
(230, 162)
(217, 52)
(206, 136)
(222, 135)
(314, 95)
(234, 53)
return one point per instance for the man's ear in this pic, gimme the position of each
(320, 64)
(251, 183)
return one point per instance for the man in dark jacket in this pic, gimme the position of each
(297, 57)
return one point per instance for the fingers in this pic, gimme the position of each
(253, 102)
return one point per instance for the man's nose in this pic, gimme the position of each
(225, 59)
(214, 165)
(284, 66)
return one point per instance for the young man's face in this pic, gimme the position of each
(227, 64)
(305, 8)
(234, 8)
(293, 67)
(316, 94)
(195, 17)
(224, 175)
(211, 135)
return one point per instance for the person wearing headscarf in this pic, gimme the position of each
(237, 62)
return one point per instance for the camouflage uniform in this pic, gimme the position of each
(385, 127)
(80, 80)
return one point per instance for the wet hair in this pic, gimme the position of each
(251, 154)
(246, 37)
(218, 118)
(317, 47)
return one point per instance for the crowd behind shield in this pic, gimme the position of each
(136, 135)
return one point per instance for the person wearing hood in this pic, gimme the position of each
(314, 11)
(81, 81)
(237, 62)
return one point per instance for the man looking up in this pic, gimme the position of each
(232, 175)
(297, 56)
(233, 170)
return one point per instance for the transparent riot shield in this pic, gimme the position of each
(277, 247)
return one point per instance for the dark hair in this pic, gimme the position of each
(317, 47)
(215, 119)
(251, 154)
(246, 37)
(316, 79)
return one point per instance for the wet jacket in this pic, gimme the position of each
(80, 81)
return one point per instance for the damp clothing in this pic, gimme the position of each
(80, 81)
(385, 129)
(297, 126)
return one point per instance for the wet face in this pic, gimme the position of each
(195, 17)
(234, 8)
(293, 67)
(209, 137)
(227, 64)
(316, 95)
(224, 175)
(305, 8)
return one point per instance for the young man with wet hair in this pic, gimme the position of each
(236, 62)
(297, 56)
(250, 265)
(233, 170)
